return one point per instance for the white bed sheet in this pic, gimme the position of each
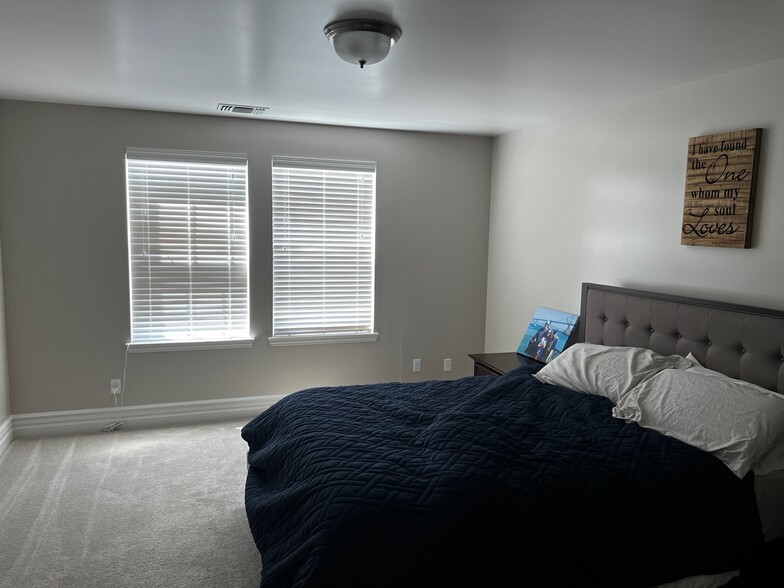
(712, 581)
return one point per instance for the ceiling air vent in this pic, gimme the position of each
(238, 109)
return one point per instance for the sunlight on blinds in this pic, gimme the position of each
(188, 246)
(323, 221)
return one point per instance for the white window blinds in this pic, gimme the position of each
(188, 246)
(323, 227)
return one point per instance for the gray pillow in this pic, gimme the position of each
(737, 422)
(606, 371)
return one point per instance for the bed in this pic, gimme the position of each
(469, 482)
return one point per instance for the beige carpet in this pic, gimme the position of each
(159, 508)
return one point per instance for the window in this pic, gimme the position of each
(323, 241)
(188, 248)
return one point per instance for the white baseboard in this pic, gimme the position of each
(6, 434)
(70, 422)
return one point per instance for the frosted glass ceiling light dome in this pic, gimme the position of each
(362, 41)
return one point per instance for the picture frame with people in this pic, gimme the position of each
(547, 334)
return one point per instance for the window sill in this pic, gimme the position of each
(190, 345)
(322, 339)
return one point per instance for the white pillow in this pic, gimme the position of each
(769, 491)
(604, 370)
(773, 461)
(736, 421)
(696, 367)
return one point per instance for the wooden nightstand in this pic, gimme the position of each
(497, 364)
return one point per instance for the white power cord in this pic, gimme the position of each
(114, 425)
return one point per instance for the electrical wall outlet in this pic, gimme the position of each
(115, 387)
(448, 364)
(417, 366)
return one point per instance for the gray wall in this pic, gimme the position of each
(599, 198)
(62, 218)
(5, 398)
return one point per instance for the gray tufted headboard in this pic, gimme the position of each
(742, 342)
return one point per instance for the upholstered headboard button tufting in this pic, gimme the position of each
(749, 341)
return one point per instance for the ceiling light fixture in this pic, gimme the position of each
(362, 41)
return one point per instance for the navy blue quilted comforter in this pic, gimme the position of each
(463, 483)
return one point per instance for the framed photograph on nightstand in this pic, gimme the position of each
(547, 334)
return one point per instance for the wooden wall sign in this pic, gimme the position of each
(721, 178)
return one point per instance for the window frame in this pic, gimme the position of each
(189, 342)
(326, 165)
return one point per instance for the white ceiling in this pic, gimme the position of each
(469, 66)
